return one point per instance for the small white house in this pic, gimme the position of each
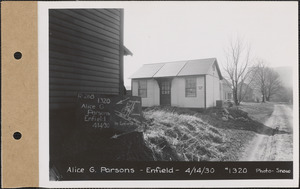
(189, 84)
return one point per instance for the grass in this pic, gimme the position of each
(258, 111)
(178, 134)
(182, 137)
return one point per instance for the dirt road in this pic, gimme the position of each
(277, 147)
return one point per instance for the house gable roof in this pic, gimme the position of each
(170, 69)
(147, 71)
(178, 68)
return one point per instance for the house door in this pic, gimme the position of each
(165, 92)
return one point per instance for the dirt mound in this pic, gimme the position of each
(220, 112)
(234, 118)
(182, 137)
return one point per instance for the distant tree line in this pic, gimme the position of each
(266, 80)
(246, 74)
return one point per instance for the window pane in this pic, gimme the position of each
(165, 87)
(143, 84)
(190, 87)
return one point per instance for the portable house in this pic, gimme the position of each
(190, 83)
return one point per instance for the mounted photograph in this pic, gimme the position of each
(171, 83)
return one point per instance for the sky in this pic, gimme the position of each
(173, 31)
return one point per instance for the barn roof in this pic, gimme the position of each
(127, 51)
(178, 68)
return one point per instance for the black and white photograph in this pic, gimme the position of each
(136, 90)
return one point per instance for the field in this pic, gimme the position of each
(258, 111)
(175, 134)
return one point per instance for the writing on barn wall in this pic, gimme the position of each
(118, 113)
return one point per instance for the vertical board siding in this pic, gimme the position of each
(85, 53)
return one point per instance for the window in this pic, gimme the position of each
(165, 88)
(142, 88)
(190, 87)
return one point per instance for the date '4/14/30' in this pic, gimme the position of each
(200, 170)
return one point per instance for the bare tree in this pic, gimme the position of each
(238, 68)
(273, 84)
(261, 78)
(267, 81)
(284, 94)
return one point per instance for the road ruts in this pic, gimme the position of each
(277, 147)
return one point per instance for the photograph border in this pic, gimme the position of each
(43, 62)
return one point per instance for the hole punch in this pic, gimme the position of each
(18, 55)
(17, 135)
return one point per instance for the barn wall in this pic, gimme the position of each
(152, 98)
(85, 53)
(178, 97)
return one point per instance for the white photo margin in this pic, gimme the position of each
(43, 58)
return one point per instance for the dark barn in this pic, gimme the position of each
(85, 56)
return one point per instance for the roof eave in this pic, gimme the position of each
(218, 69)
(127, 51)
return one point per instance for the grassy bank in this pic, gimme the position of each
(175, 134)
(258, 111)
(183, 137)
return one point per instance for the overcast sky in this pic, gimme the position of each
(171, 31)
